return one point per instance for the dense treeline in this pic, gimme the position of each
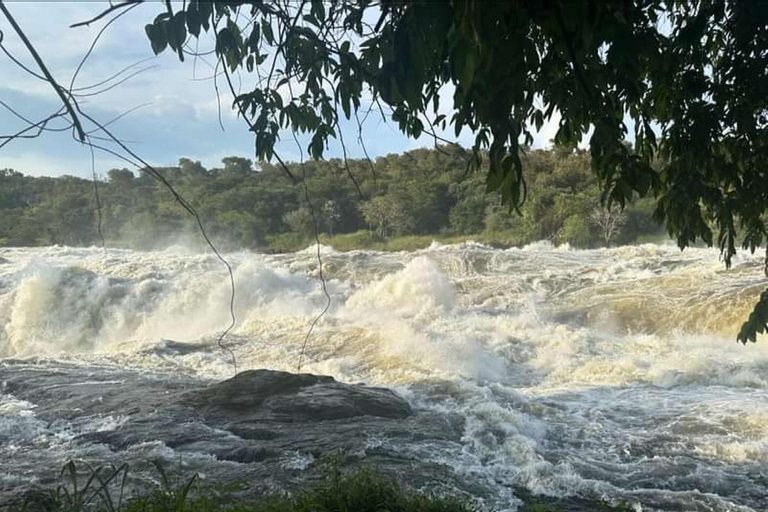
(421, 192)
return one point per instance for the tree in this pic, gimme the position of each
(237, 165)
(609, 220)
(388, 216)
(121, 177)
(468, 215)
(331, 215)
(192, 167)
(688, 77)
(575, 232)
(300, 221)
(376, 214)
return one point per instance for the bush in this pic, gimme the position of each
(502, 239)
(353, 241)
(409, 243)
(575, 231)
(362, 491)
(287, 242)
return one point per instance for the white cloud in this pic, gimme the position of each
(40, 164)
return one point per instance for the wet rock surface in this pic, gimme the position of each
(265, 430)
(268, 396)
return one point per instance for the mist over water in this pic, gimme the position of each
(608, 373)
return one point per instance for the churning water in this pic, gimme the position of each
(610, 373)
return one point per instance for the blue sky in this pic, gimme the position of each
(178, 116)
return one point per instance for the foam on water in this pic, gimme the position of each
(610, 373)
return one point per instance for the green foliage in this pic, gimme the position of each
(536, 506)
(353, 241)
(389, 215)
(82, 489)
(300, 221)
(695, 71)
(414, 198)
(575, 232)
(639, 221)
(468, 214)
(85, 489)
(757, 323)
(408, 243)
(287, 242)
(362, 492)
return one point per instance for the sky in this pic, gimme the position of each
(177, 113)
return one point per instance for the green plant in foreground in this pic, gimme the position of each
(361, 491)
(75, 494)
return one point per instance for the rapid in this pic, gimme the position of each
(610, 373)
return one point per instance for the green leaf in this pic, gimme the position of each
(193, 20)
(318, 10)
(177, 31)
(254, 38)
(266, 29)
(205, 8)
(156, 38)
(757, 323)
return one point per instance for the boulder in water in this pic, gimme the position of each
(265, 395)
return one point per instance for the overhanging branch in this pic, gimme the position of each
(59, 90)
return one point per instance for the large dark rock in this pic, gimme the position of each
(264, 395)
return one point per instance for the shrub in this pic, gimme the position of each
(575, 231)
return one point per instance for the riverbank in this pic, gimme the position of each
(366, 240)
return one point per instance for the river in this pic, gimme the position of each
(611, 373)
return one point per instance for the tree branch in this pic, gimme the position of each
(49, 78)
(106, 12)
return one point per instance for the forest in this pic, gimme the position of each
(395, 202)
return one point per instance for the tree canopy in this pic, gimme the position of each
(417, 196)
(684, 79)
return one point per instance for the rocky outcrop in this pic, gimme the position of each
(270, 396)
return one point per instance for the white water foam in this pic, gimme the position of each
(572, 369)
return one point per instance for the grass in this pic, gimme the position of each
(654, 238)
(538, 506)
